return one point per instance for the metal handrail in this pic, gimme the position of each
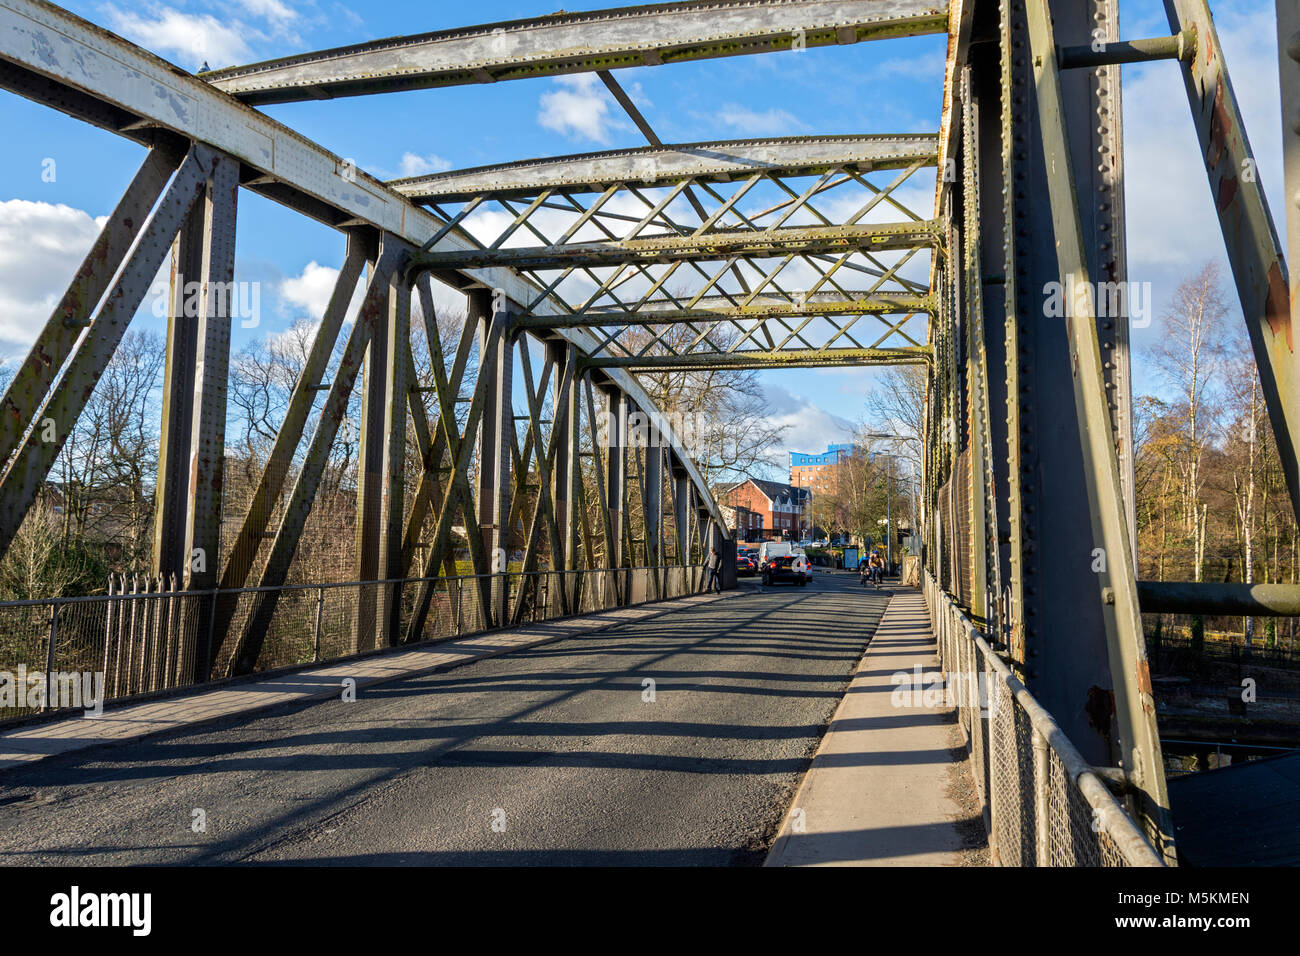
(1047, 735)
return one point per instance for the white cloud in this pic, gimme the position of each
(810, 427)
(929, 66)
(190, 39)
(579, 109)
(41, 246)
(310, 290)
(272, 10)
(413, 164)
(771, 122)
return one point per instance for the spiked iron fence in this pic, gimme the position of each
(144, 635)
(1045, 805)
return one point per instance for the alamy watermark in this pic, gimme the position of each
(930, 689)
(1112, 300)
(74, 690)
(239, 300)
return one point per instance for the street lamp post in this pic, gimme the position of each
(889, 522)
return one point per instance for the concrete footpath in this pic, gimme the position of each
(30, 743)
(888, 786)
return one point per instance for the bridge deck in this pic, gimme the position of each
(891, 784)
(29, 743)
(554, 754)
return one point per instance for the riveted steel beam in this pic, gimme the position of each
(31, 381)
(761, 359)
(722, 309)
(27, 469)
(1115, 580)
(666, 165)
(754, 243)
(207, 444)
(578, 43)
(55, 58)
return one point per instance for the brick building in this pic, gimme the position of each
(784, 510)
(746, 525)
(821, 472)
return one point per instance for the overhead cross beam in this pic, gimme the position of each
(578, 43)
(714, 245)
(665, 165)
(765, 359)
(721, 309)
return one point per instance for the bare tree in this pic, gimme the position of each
(1189, 354)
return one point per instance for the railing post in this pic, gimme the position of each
(991, 744)
(460, 605)
(49, 655)
(1042, 785)
(320, 607)
(204, 641)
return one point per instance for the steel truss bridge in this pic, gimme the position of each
(749, 254)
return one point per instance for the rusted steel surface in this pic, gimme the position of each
(578, 43)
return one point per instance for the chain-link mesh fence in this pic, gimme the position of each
(1046, 807)
(146, 636)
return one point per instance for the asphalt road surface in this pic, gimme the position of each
(553, 755)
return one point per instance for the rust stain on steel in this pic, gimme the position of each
(1144, 678)
(1277, 307)
(1220, 124)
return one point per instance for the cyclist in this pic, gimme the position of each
(877, 567)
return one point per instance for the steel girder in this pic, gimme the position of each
(750, 243)
(1030, 452)
(720, 309)
(45, 433)
(57, 59)
(666, 165)
(764, 359)
(765, 260)
(578, 43)
(52, 56)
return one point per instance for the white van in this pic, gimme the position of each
(773, 549)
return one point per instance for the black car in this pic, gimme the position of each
(790, 567)
(746, 565)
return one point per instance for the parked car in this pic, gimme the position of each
(789, 567)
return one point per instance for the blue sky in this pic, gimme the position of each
(882, 87)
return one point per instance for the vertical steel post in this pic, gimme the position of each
(616, 481)
(681, 516)
(1042, 803)
(564, 481)
(207, 445)
(171, 494)
(392, 506)
(496, 362)
(1060, 630)
(653, 500)
(191, 455)
(1111, 582)
(372, 447)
